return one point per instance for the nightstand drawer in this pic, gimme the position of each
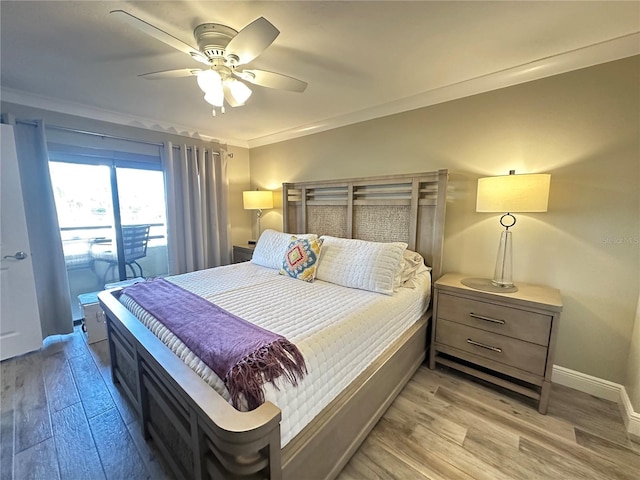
(521, 324)
(509, 351)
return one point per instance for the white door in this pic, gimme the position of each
(20, 330)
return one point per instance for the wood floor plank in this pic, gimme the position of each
(38, 462)
(564, 466)
(512, 462)
(92, 389)
(32, 422)
(625, 455)
(7, 414)
(453, 413)
(6, 444)
(589, 413)
(118, 453)
(433, 420)
(59, 383)
(77, 454)
(375, 462)
(439, 459)
(504, 400)
(570, 450)
(100, 353)
(71, 345)
(7, 381)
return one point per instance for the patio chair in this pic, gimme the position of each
(135, 239)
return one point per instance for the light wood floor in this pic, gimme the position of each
(61, 417)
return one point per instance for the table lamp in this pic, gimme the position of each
(257, 200)
(508, 194)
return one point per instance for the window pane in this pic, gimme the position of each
(142, 202)
(85, 214)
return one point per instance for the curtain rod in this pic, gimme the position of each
(103, 135)
(96, 134)
(87, 132)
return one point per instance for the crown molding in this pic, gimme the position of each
(607, 51)
(71, 108)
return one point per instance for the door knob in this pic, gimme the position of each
(17, 256)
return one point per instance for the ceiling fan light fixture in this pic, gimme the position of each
(239, 90)
(209, 80)
(223, 49)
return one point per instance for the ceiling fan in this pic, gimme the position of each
(225, 51)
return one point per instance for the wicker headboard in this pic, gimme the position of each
(405, 208)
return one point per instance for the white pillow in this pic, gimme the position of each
(371, 266)
(272, 246)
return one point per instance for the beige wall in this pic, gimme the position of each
(239, 181)
(583, 127)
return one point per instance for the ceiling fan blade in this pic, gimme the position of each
(252, 40)
(161, 35)
(272, 80)
(182, 72)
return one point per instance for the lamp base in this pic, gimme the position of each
(487, 285)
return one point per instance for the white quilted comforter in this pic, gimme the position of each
(339, 331)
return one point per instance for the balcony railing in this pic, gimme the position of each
(78, 241)
(86, 276)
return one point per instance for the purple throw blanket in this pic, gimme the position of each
(242, 354)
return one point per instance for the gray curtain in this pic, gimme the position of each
(52, 284)
(196, 184)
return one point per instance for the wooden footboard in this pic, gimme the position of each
(202, 436)
(199, 434)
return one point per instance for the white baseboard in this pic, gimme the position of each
(631, 418)
(600, 388)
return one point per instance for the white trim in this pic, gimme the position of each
(631, 418)
(586, 383)
(607, 51)
(600, 388)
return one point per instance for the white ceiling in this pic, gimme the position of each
(361, 59)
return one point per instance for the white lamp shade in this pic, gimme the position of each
(239, 90)
(257, 199)
(209, 80)
(513, 193)
(215, 97)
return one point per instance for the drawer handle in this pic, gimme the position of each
(488, 347)
(486, 319)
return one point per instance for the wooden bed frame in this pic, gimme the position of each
(202, 436)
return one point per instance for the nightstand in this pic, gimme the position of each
(507, 339)
(242, 253)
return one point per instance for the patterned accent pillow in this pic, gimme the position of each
(271, 247)
(301, 258)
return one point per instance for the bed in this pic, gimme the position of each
(197, 430)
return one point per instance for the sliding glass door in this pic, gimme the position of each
(112, 223)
